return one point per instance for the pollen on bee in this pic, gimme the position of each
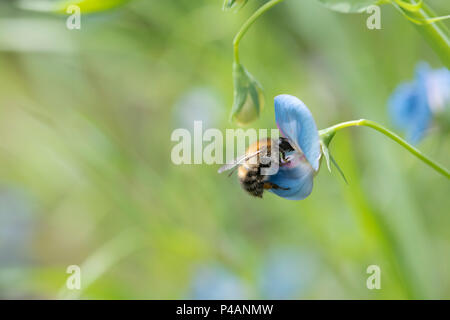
(241, 172)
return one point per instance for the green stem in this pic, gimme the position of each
(329, 132)
(248, 24)
(436, 33)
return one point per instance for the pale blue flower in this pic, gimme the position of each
(17, 228)
(214, 282)
(296, 123)
(198, 104)
(413, 105)
(286, 274)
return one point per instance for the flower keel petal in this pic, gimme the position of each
(297, 178)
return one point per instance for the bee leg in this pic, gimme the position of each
(284, 147)
(270, 185)
(283, 157)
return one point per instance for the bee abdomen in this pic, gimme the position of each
(253, 183)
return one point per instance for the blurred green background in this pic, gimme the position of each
(86, 176)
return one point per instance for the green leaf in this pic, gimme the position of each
(233, 4)
(324, 144)
(348, 6)
(338, 168)
(86, 6)
(326, 153)
(412, 7)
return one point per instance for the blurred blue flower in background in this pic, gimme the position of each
(198, 104)
(413, 105)
(214, 282)
(286, 274)
(16, 228)
(297, 124)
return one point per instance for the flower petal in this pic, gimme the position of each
(297, 177)
(296, 123)
(438, 89)
(409, 107)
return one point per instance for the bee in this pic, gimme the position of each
(257, 157)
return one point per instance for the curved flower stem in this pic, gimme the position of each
(367, 123)
(435, 33)
(248, 24)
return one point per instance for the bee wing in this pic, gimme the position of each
(238, 161)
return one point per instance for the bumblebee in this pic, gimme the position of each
(250, 166)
